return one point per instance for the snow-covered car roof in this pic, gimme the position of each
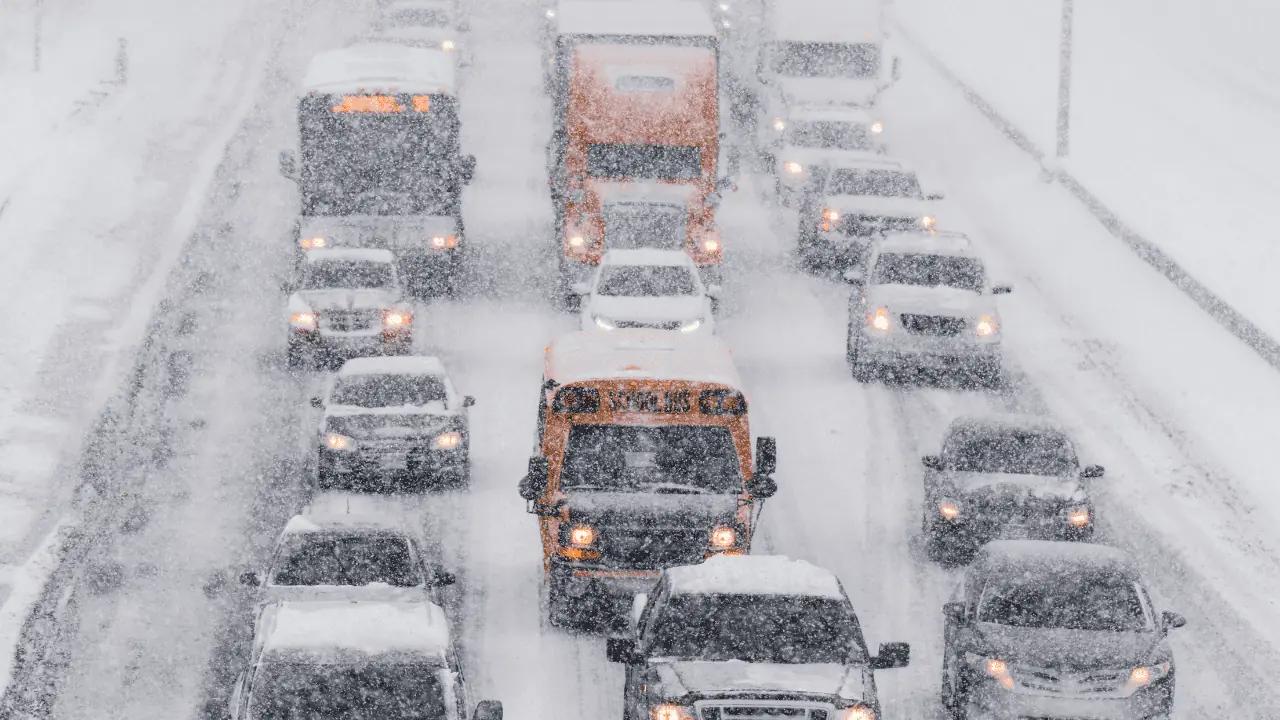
(830, 113)
(1006, 421)
(351, 255)
(927, 242)
(1016, 557)
(393, 365)
(355, 630)
(833, 21)
(640, 354)
(646, 256)
(381, 67)
(754, 575)
(641, 18)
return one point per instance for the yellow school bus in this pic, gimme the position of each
(643, 461)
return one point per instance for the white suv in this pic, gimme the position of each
(648, 288)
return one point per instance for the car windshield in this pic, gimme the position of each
(827, 60)
(639, 225)
(654, 162)
(962, 273)
(645, 281)
(829, 134)
(875, 183)
(664, 458)
(298, 691)
(1016, 452)
(756, 628)
(1066, 600)
(388, 390)
(359, 274)
(315, 559)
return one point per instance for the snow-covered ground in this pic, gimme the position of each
(1176, 408)
(1174, 109)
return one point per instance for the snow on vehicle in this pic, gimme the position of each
(430, 24)
(635, 98)
(749, 637)
(367, 659)
(427, 248)
(348, 302)
(345, 557)
(657, 289)
(393, 419)
(378, 134)
(814, 137)
(851, 200)
(643, 461)
(1000, 476)
(925, 303)
(1053, 629)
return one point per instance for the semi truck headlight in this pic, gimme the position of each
(303, 320)
(338, 442)
(724, 537)
(582, 536)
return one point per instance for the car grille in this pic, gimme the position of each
(1002, 509)
(652, 549)
(867, 224)
(387, 452)
(350, 320)
(1089, 683)
(762, 710)
(668, 325)
(938, 325)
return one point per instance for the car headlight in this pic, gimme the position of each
(550, 14)
(450, 440)
(994, 668)
(724, 7)
(858, 712)
(792, 167)
(1144, 675)
(604, 323)
(670, 711)
(928, 222)
(724, 537)
(582, 535)
(304, 320)
(396, 319)
(948, 509)
(1079, 516)
(689, 326)
(877, 127)
(444, 242)
(447, 46)
(986, 326)
(878, 319)
(313, 243)
(339, 442)
(779, 124)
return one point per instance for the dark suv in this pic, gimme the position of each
(1043, 629)
(749, 638)
(1000, 476)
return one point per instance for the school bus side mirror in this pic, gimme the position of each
(535, 480)
(766, 456)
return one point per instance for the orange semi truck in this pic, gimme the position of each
(635, 145)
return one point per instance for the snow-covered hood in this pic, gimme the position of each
(377, 231)
(1071, 650)
(373, 591)
(388, 423)
(894, 207)
(936, 300)
(829, 91)
(650, 511)
(647, 309)
(710, 679)
(1015, 487)
(345, 299)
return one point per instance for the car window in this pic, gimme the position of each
(819, 59)
(963, 273)
(646, 281)
(307, 691)
(315, 559)
(639, 458)
(1088, 600)
(1012, 451)
(644, 225)
(326, 274)
(388, 390)
(783, 629)
(877, 183)
(829, 134)
(659, 162)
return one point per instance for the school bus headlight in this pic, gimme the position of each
(582, 536)
(949, 509)
(792, 167)
(724, 537)
(879, 320)
(1079, 516)
(339, 442)
(303, 320)
(859, 712)
(313, 243)
(670, 711)
(986, 326)
(779, 124)
(396, 319)
(877, 127)
(451, 440)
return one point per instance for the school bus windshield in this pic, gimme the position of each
(685, 459)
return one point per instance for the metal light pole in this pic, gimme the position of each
(1064, 79)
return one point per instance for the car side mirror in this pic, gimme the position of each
(892, 655)
(762, 486)
(954, 611)
(468, 400)
(1093, 471)
(1172, 620)
(442, 578)
(249, 578)
(487, 710)
(317, 402)
(289, 165)
(766, 456)
(933, 462)
(1001, 289)
(535, 479)
(621, 650)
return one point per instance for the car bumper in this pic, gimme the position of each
(1148, 704)
(411, 460)
(928, 351)
(979, 531)
(377, 341)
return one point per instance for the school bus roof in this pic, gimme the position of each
(640, 355)
(640, 18)
(382, 68)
